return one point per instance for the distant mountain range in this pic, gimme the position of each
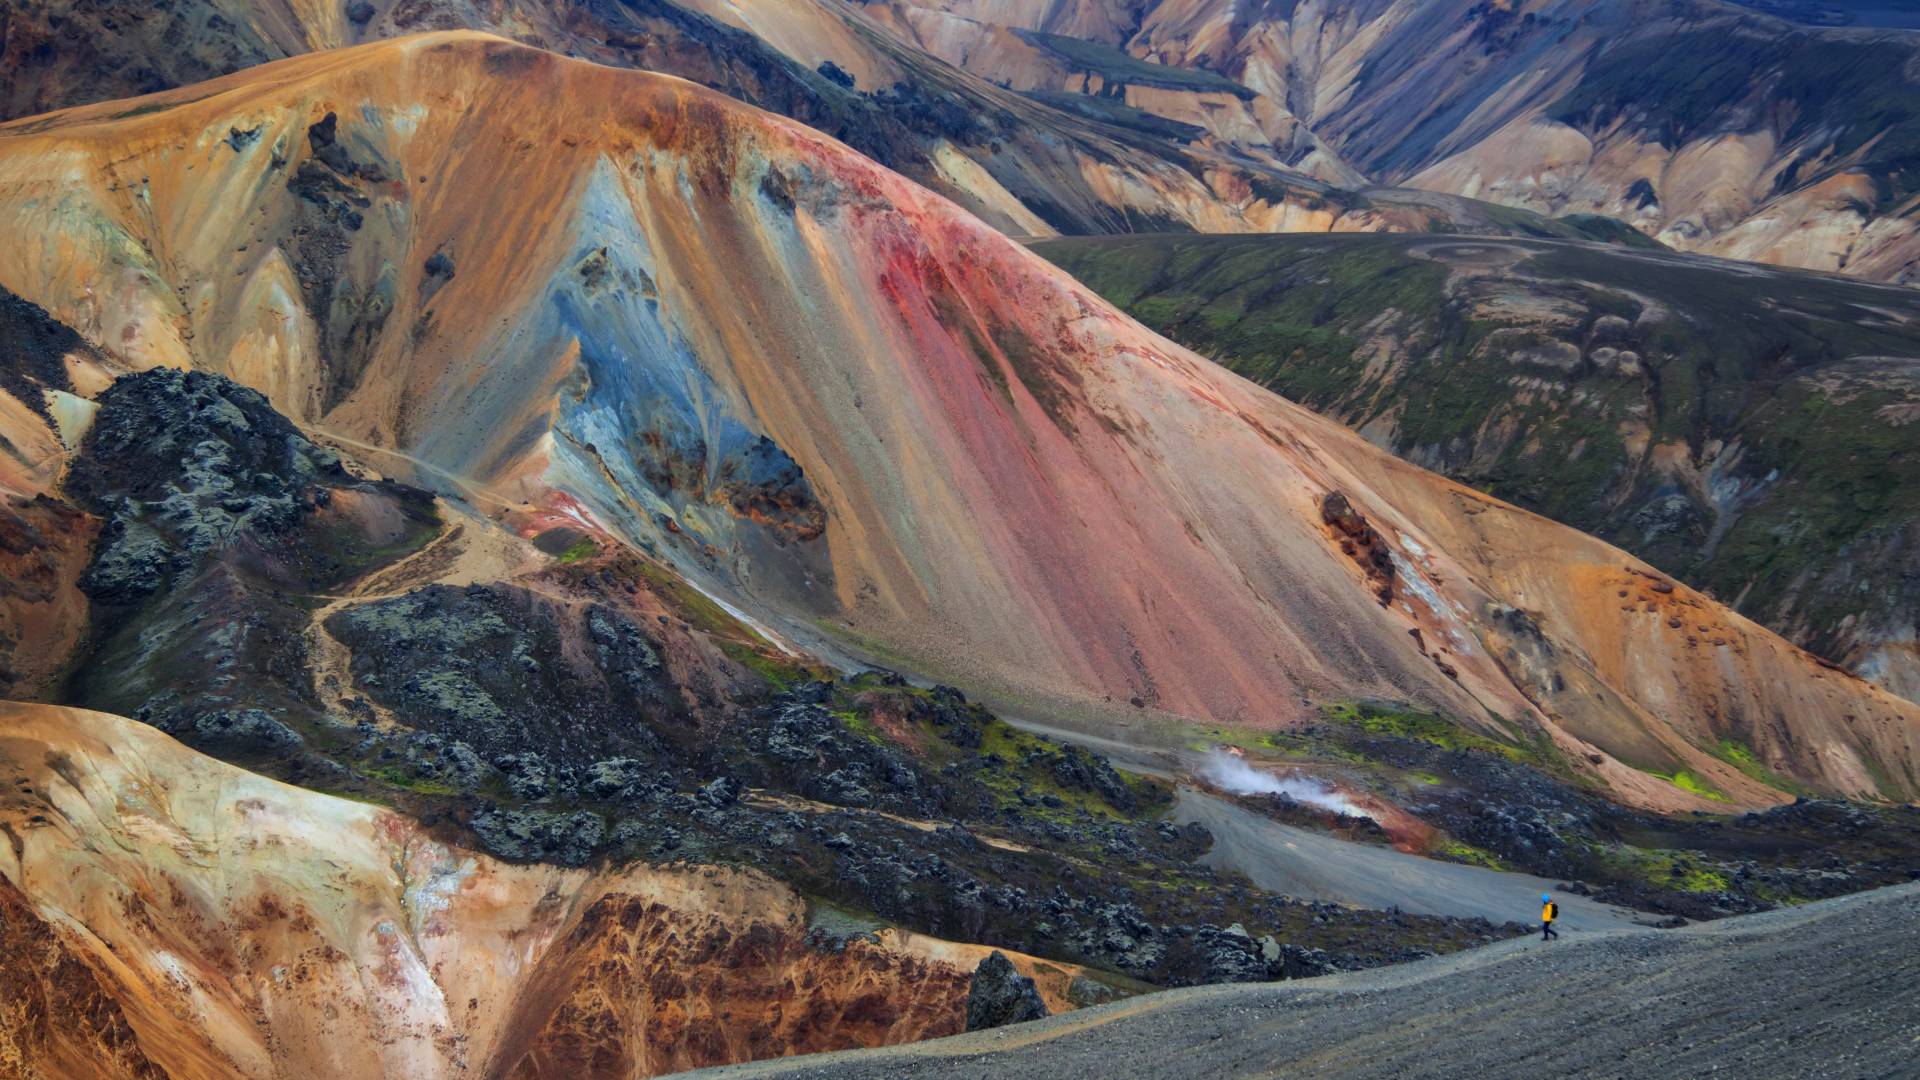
(1711, 127)
(1027, 164)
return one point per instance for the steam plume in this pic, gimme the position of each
(1229, 772)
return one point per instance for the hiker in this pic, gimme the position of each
(1549, 911)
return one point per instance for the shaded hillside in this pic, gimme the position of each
(1748, 430)
(1711, 127)
(869, 421)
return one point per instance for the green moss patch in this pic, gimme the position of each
(1423, 727)
(779, 671)
(1456, 851)
(394, 776)
(1692, 783)
(1659, 868)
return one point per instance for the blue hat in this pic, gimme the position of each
(1544, 898)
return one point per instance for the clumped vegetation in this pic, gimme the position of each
(1660, 869)
(1117, 68)
(1693, 785)
(1422, 727)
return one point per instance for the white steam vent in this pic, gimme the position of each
(1226, 771)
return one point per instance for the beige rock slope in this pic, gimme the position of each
(862, 414)
(165, 914)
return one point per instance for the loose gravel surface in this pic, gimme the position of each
(1824, 990)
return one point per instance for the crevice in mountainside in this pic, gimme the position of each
(1360, 542)
(334, 194)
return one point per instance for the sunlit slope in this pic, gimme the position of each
(861, 413)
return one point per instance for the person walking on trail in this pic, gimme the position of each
(1549, 911)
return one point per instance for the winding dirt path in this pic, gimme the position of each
(465, 488)
(331, 660)
(1315, 866)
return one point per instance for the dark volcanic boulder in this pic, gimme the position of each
(180, 463)
(1000, 996)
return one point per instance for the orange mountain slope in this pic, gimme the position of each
(862, 415)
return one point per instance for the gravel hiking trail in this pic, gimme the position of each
(1822, 990)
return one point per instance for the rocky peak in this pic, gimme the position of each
(1001, 995)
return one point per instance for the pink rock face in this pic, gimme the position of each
(1014, 486)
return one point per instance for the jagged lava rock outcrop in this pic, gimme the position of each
(999, 995)
(662, 296)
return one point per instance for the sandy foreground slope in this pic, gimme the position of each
(1819, 993)
(164, 913)
(863, 414)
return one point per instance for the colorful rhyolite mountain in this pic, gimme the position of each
(1745, 428)
(865, 417)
